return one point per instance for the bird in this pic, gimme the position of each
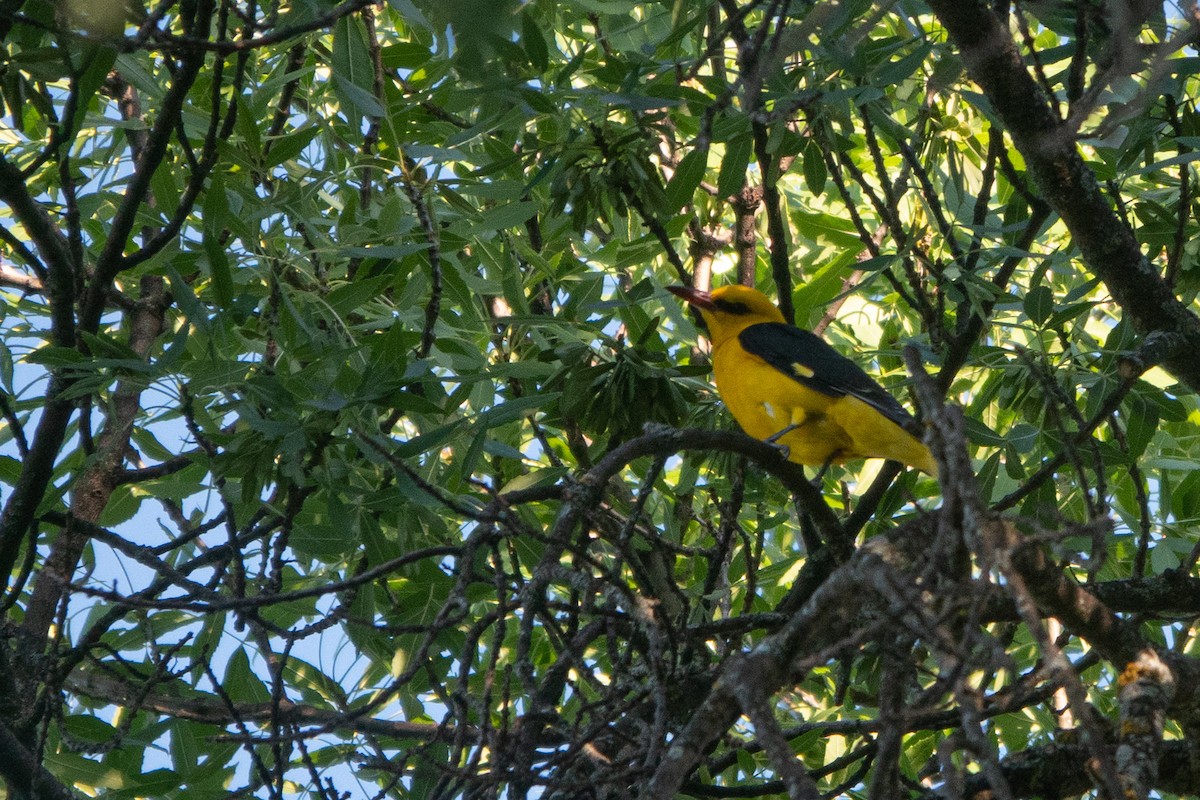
(787, 386)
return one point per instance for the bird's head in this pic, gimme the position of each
(729, 309)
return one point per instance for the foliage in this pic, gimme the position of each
(351, 445)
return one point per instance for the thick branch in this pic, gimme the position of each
(110, 689)
(94, 486)
(24, 774)
(19, 280)
(1118, 640)
(55, 250)
(1060, 769)
(1107, 244)
(111, 261)
(828, 615)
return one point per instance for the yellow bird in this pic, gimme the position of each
(786, 385)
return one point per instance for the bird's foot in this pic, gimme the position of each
(819, 478)
(775, 437)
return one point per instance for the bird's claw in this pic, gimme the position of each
(783, 450)
(775, 437)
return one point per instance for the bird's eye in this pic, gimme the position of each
(731, 307)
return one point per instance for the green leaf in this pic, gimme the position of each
(319, 688)
(1185, 498)
(355, 98)
(430, 440)
(240, 683)
(980, 433)
(52, 356)
(216, 210)
(288, 146)
(506, 216)
(1141, 423)
(165, 185)
(815, 171)
(351, 296)
(534, 43)
(826, 228)
(1163, 558)
(206, 375)
(1039, 302)
(121, 506)
(386, 251)
(98, 63)
(903, 68)
(688, 174)
(734, 165)
(409, 11)
(534, 480)
(185, 298)
(10, 470)
(351, 58)
(7, 363)
(73, 769)
(87, 728)
(353, 68)
(155, 783)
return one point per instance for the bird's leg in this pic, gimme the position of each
(820, 476)
(799, 418)
(775, 437)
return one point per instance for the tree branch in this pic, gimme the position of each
(1107, 245)
(24, 774)
(111, 261)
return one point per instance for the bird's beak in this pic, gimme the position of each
(694, 297)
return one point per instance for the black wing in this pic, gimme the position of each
(807, 358)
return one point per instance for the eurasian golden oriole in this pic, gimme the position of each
(786, 385)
